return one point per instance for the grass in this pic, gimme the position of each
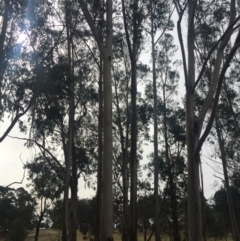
(53, 235)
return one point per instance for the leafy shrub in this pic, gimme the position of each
(17, 231)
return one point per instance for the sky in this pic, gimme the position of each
(13, 152)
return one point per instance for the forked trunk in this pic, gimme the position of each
(106, 224)
(194, 126)
(194, 200)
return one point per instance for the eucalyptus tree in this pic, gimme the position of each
(221, 213)
(105, 48)
(121, 123)
(17, 82)
(173, 142)
(170, 123)
(16, 204)
(160, 20)
(207, 32)
(194, 121)
(51, 126)
(25, 47)
(226, 124)
(68, 91)
(50, 129)
(133, 15)
(46, 187)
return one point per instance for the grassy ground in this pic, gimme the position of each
(53, 235)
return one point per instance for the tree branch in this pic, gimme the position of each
(17, 117)
(46, 150)
(127, 33)
(165, 28)
(210, 53)
(179, 30)
(215, 79)
(214, 109)
(22, 177)
(219, 178)
(91, 25)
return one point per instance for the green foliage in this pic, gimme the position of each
(45, 182)
(86, 216)
(15, 204)
(216, 213)
(17, 231)
(56, 215)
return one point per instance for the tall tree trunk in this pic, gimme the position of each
(173, 201)
(133, 193)
(73, 211)
(5, 20)
(156, 161)
(107, 204)
(132, 49)
(74, 198)
(194, 200)
(203, 205)
(106, 53)
(174, 212)
(100, 150)
(68, 161)
(125, 189)
(124, 147)
(235, 230)
(194, 126)
(145, 231)
(38, 225)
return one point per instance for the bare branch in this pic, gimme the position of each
(213, 169)
(41, 147)
(219, 178)
(165, 28)
(93, 55)
(23, 174)
(179, 30)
